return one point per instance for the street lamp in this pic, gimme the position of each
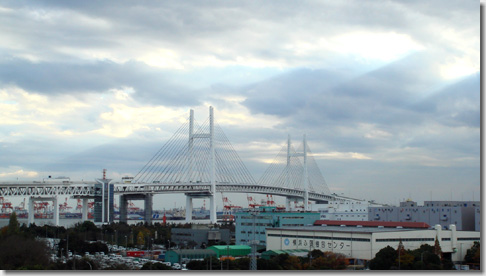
(422, 259)
(152, 248)
(126, 241)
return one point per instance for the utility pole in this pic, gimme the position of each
(306, 177)
(254, 242)
(67, 245)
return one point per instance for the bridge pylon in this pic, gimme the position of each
(196, 155)
(296, 170)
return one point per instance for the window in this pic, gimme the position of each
(468, 239)
(405, 240)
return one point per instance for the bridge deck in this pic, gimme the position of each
(88, 189)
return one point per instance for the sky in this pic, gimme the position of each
(387, 92)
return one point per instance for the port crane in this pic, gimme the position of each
(6, 205)
(21, 207)
(132, 208)
(252, 202)
(228, 208)
(64, 206)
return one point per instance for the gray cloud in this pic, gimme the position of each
(150, 85)
(393, 112)
(224, 29)
(390, 98)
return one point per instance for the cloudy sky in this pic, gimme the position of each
(387, 92)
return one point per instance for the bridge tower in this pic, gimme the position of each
(305, 175)
(212, 162)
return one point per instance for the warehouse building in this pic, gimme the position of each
(230, 250)
(445, 213)
(198, 235)
(251, 226)
(345, 210)
(362, 243)
(186, 255)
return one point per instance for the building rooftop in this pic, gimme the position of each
(386, 224)
(277, 211)
(294, 252)
(224, 247)
(343, 229)
(193, 251)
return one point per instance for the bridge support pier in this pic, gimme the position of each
(84, 216)
(30, 218)
(289, 200)
(188, 208)
(212, 211)
(148, 203)
(31, 215)
(123, 208)
(148, 208)
(56, 211)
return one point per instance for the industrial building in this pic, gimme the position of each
(231, 250)
(218, 251)
(345, 210)
(360, 242)
(376, 224)
(251, 226)
(198, 236)
(185, 255)
(445, 213)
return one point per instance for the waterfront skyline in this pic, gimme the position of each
(387, 93)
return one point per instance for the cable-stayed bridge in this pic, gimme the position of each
(199, 161)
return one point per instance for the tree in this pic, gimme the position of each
(437, 248)
(326, 260)
(191, 244)
(405, 259)
(291, 263)
(18, 252)
(425, 258)
(473, 255)
(384, 259)
(262, 264)
(140, 238)
(13, 225)
(316, 253)
(155, 266)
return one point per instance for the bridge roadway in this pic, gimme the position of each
(87, 189)
(49, 191)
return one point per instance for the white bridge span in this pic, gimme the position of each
(88, 190)
(198, 165)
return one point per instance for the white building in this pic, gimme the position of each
(344, 210)
(364, 242)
